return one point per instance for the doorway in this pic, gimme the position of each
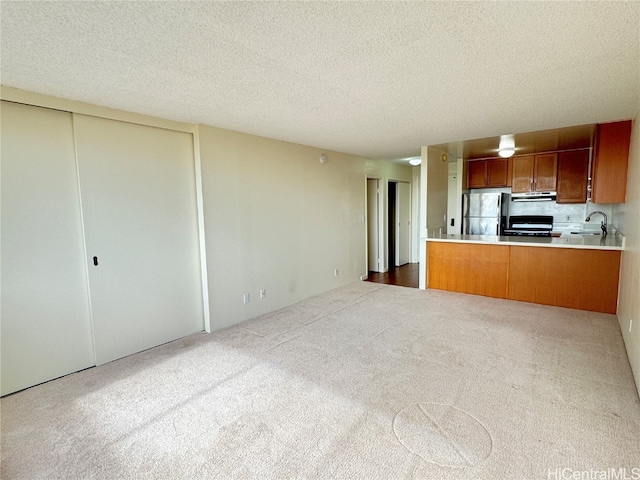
(399, 228)
(374, 263)
(389, 233)
(392, 227)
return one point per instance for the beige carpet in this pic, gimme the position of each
(368, 381)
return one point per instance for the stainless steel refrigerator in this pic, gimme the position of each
(484, 213)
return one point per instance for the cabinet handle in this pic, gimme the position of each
(95, 261)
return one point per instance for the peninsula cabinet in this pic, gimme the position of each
(610, 159)
(468, 268)
(534, 173)
(565, 277)
(585, 279)
(491, 172)
(573, 172)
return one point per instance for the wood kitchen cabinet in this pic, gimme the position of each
(586, 279)
(477, 174)
(573, 172)
(565, 277)
(610, 160)
(468, 268)
(534, 173)
(491, 172)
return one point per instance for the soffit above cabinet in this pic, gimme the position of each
(568, 138)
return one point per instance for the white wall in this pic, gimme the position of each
(278, 219)
(433, 201)
(626, 217)
(437, 190)
(415, 214)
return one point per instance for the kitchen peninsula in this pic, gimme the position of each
(536, 200)
(574, 271)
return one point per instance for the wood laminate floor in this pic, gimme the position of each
(405, 276)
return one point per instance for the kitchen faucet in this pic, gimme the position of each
(603, 224)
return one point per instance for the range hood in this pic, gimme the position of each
(534, 197)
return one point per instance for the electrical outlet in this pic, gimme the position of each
(336, 272)
(246, 298)
(630, 324)
(263, 293)
(568, 218)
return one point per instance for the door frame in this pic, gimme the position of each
(397, 230)
(381, 230)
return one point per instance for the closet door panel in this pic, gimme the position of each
(139, 203)
(46, 330)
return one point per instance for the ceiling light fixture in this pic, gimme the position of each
(506, 152)
(507, 146)
(415, 161)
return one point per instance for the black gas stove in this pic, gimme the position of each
(529, 226)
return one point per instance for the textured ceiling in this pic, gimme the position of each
(377, 79)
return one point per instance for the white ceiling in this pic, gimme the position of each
(377, 79)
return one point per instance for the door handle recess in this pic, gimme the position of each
(95, 261)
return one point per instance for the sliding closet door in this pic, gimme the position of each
(46, 330)
(139, 203)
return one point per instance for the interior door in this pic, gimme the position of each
(403, 218)
(373, 244)
(139, 204)
(46, 330)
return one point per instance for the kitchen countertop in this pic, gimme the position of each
(613, 241)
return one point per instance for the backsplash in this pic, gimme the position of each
(565, 215)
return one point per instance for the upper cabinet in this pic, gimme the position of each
(602, 152)
(534, 173)
(573, 172)
(610, 159)
(492, 172)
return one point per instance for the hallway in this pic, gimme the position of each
(407, 275)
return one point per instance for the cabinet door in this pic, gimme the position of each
(564, 277)
(468, 268)
(610, 159)
(522, 180)
(497, 172)
(544, 176)
(477, 174)
(573, 170)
